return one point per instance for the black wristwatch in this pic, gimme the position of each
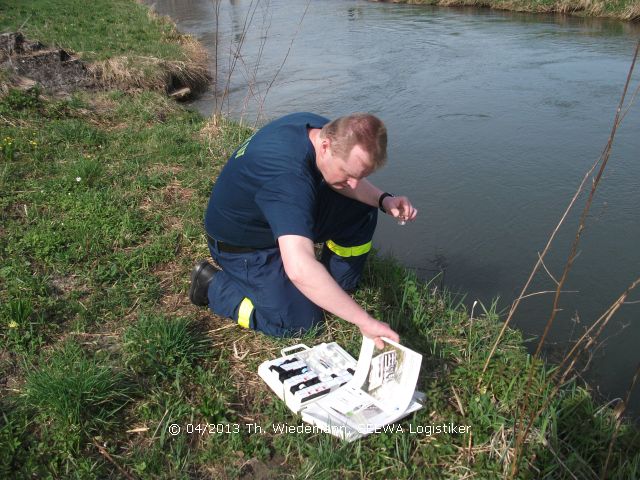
(382, 197)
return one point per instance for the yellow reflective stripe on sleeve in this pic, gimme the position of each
(244, 312)
(348, 251)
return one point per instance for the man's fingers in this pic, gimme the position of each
(403, 209)
(393, 336)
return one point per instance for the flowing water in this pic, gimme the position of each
(493, 119)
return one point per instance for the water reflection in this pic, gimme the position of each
(354, 13)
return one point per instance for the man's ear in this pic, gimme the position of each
(325, 144)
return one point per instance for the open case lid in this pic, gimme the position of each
(389, 375)
(381, 392)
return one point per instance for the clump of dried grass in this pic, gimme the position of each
(632, 12)
(594, 8)
(211, 130)
(132, 73)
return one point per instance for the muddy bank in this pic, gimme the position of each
(25, 63)
(28, 63)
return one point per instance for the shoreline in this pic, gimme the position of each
(625, 11)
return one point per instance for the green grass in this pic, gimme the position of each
(122, 45)
(101, 30)
(99, 342)
(73, 391)
(67, 400)
(159, 346)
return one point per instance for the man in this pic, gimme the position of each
(297, 181)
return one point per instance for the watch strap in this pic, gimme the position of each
(380, 200)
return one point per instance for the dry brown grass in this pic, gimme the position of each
(466, 3)
(595, 8)
(134, 73)
(173, 279)
(248, 348)
(211, 130)
(591, 8)
(632, 12)
(174, 194)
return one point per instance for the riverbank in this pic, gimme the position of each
(621, 9)
(62, 45)
(102, 194)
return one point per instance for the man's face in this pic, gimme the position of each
(346, 172)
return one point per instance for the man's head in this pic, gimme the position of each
(351, 148)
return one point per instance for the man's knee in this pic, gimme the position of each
(345, 264)
(294, 318)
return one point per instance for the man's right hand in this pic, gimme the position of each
(375, 329)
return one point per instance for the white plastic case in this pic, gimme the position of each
(329, 363)
(340, 396)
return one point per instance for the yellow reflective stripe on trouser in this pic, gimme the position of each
(244, 312)
(348, 251)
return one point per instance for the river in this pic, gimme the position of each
(493, 118)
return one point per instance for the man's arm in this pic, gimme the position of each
(366, 192)
(314, 281)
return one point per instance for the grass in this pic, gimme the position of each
(101, 222)
(620, 9)
(67, 399)
(160, 346)
(106, 30)
(101, 202)
(73, 391)
(125, 46)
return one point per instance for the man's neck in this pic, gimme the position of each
(314, 133)
(314, 137)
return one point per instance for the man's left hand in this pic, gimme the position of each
(400, 208)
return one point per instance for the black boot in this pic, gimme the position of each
(201, 275)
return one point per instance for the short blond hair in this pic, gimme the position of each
(362, 129)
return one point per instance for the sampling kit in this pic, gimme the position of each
(340, 396)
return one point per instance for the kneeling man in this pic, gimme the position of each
(299, 180)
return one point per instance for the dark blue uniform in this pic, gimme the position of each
(271, 187)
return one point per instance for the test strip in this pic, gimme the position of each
(283, 361)
(299, 378)
(306, 384)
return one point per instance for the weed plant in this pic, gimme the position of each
(74, 392)
(159, 346)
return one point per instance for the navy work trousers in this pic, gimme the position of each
(254, 290)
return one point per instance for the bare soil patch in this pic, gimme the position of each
(30, 63)
(27, 63)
